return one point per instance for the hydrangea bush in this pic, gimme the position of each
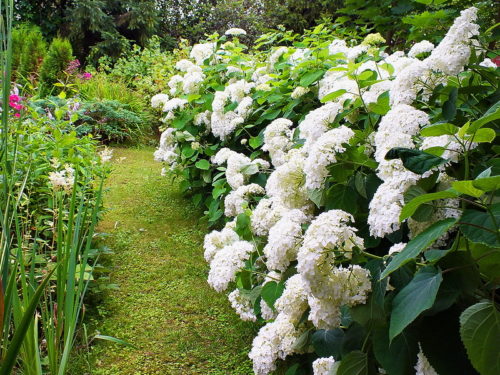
(357, 191)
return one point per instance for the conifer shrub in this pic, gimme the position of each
(53, 68)
(32, 53)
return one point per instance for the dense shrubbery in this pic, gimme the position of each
(360, 194)
(107, 28)
(50, 196)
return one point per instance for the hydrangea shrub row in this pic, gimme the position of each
(358, 193)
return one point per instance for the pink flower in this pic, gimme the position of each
(17, 115)
(496, 60)
(87, 75)
(14, 98)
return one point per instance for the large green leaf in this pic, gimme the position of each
(311, 77)
(341, 197)
(491, 114)
(328, 342)
(480, 332)
(479, 226)
(467, 187)
(423, 212)
(438, 130)
(354, 363)
(414, 298)
(412, 206)
(398, 356)
(418, 244)
(333, 95)
(415, 160)
(271, 291)
(202, 164)
(450, 106)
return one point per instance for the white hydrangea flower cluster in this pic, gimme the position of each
(217, 240)
(322, 366)
(278, 140)
(324, 282)
(202, 51)
(159, 100)
(237, 200)
(299, 91)
(166, 152)
(239, 166)
(284, 240)
(242, 306)
(274, 340)
(226, 262)
(224, 123)
(316, 122)
(323, 154)
(235, 32)
(421, 47)
(328, 238)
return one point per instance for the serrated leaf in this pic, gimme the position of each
(415, 160)
(202, 164)
(410, 208)
(311, 77)
(341, 197)
(354, 363)
(438, 130)
(328, 342)
(480, 332)
(423, 212)
(485, 135)
(317, 196)
(492, 114)
(255, 142)
(418, 244)
(271, 291)
(416, 297)
(397, 357)
(333, 95)
(479, 226)
(467, 187)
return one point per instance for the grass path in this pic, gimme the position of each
(164, 305)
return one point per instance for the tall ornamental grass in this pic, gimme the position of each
(44, 272)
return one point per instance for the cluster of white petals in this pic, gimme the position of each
(235, 31)
(217, 240)
(242, 305)
(201, 52)
(237, 200)
(423, 367)
(322, 366)
(323, 153)
(166, 152)
(421, 47)
(284, 240)
(239, 166)
(227, 262)
(63, 179)
(278, 140)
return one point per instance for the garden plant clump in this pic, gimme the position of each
(355, 192)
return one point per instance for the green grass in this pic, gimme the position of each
(164, 305)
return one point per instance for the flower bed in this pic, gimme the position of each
(358, 193)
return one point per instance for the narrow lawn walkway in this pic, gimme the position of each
(164, 305)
